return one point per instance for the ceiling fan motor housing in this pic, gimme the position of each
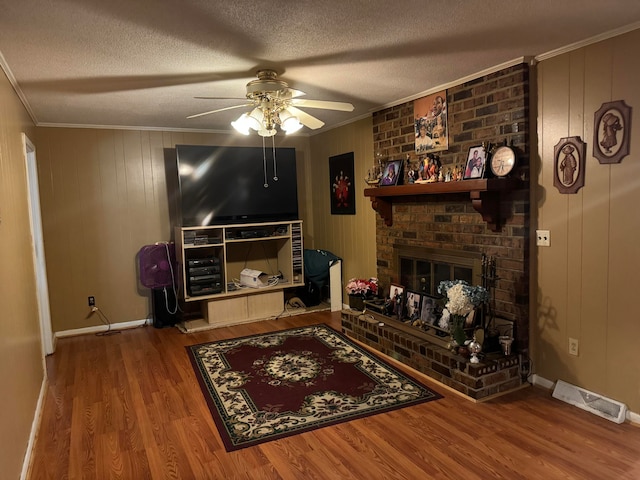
(267, 84)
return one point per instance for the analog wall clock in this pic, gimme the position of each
(503, 161)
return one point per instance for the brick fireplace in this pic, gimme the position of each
(491, 109)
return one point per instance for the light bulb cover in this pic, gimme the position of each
(289, 122)
(242, 124)
(255, 119)
(291, 125)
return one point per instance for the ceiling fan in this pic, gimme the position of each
(275, 104)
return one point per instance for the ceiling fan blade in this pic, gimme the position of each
(306, 119)
(296, 93)
(219, 110)
(327, 105)
(221, 98)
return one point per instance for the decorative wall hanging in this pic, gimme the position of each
(611, 131)
(341, 175)
(568, 164)
(430, 120)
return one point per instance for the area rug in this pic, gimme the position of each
(264, 387)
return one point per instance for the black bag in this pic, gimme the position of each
(310, 294)
(316, 275)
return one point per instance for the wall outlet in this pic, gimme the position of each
(91, 301)
(573, 346)
(543, 238)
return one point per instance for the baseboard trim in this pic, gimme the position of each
(539, 381)
(101, 328)
(35, 428)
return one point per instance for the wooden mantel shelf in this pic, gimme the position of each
(484, 193)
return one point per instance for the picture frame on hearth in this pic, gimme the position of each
(431, 310)
(476, 162)
(392, 173)
(396, 300)
(412, 303)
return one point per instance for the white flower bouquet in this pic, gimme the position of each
(462, 299)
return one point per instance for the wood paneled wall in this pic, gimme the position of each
(104, 196)
(589, 279)
(22, 370)
(351, 237)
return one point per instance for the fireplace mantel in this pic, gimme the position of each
(484, 193)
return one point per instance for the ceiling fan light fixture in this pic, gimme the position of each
(274, 106)
(255, 119)
(267, 132)
(290, 124)
(242, 124)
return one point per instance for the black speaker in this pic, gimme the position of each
(165, 307)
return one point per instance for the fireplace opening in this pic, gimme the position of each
(422, 269)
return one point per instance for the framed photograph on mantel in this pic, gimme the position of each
(612, 129)
(392, 173)
(568, 164)
(430, 120)
(476, 161)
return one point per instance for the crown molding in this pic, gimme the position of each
(12, 80)
(587, 42)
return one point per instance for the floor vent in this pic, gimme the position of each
(591, 402)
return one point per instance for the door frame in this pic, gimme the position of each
(37, 246)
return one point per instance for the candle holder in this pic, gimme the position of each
(505, 343)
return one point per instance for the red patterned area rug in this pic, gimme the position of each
(269, 386)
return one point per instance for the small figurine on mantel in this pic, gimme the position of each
(448, 176)
(374, 174)
(434, 168)
(411, 175)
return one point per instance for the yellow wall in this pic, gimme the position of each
(351, 237)
(104, 196)
(589, 279)
(21, 365)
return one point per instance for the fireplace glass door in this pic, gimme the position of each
(422, 270)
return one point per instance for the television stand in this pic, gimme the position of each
(211, 258)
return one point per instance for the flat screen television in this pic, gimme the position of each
(228, 185)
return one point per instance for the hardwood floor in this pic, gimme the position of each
(128, 406)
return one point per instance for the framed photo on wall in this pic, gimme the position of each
(341, 173)
(392, 173)
(476, 162)
(568, 164)
(430, 120)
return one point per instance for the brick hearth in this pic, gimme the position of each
(495, 374)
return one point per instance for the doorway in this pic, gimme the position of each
(42, 287)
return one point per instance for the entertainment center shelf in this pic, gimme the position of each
(211, 259)
(485, 195)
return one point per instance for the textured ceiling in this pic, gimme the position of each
(140, 63)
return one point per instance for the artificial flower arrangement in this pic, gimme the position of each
(359, 286)
(462, 299)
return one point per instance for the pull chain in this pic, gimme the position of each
(264, 163)
(275, 169)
